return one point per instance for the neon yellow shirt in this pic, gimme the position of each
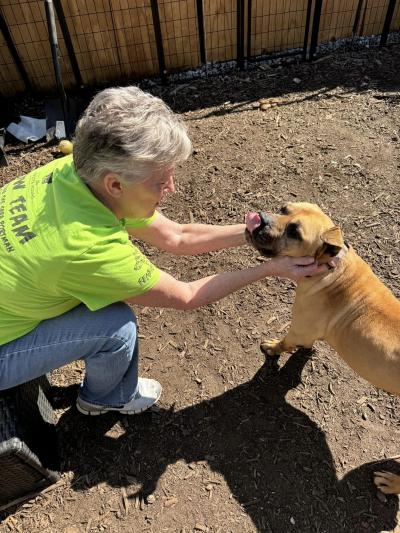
(59, 247)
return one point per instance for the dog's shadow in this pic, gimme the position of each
(274, 459)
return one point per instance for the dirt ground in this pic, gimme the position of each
(239, 444)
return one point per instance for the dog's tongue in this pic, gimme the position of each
(252, 221)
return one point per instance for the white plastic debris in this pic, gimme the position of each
(29, 129)
(60, 129)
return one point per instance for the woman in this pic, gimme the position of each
(69, 269)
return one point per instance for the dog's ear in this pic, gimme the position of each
(333, 242)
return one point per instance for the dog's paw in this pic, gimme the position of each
(387, 482)
(271, 347)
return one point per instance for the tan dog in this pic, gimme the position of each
(348, 307)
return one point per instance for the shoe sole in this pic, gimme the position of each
(96, 412)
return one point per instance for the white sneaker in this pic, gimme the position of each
(148, 393)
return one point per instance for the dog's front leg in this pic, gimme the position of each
(306, 327)
(289, 343)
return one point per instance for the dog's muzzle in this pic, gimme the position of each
(266, 221)
(259, 236)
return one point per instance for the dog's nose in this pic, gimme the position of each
(266, 220)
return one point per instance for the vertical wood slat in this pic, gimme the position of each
(396, 18)
(93, 38)
(13, 70)
(278, 25)
(220, 27)
(374, 16)
(135, 38)
(10, 80)
(395, 26)
(180, 33)
(137, 33)
(337, 19)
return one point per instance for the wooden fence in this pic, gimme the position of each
(105, 41)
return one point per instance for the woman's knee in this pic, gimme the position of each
(119, 322)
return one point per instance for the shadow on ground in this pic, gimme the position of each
(352, 69)
(273, 457)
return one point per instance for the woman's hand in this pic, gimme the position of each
(297, 268)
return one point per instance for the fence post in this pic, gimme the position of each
(202, 34)
(240, 34)
(315, 28)
(307, 29)
(249, 14)
(68, 42)
(357, 16)
(158, 35)
(51, 26)
(14, 53)
(387, 23)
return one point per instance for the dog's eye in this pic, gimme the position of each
(292, 231)
(284, 210)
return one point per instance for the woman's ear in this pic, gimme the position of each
(112, 185)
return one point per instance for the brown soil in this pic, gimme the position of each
(238, 444)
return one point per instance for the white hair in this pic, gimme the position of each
(129, 132)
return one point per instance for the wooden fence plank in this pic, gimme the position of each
(375, 16)
(278, 26)
(337, 20)
(395, 26)
(10, 80)
(220, 28)
(93, 41)
(178, 21)
(135, 38)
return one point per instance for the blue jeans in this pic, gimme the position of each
(106, 340)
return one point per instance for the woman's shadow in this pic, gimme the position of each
(274, 459)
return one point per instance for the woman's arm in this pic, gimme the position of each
(174, 294)
(189, 239)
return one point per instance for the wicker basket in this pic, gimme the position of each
(28, 444)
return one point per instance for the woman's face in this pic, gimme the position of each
(142, 199)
